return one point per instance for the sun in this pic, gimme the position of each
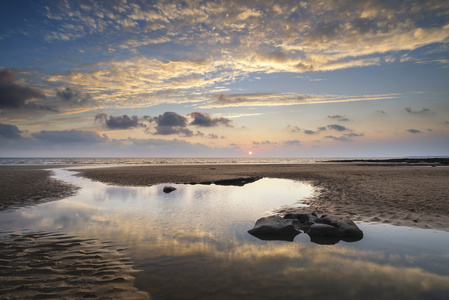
(250, 153)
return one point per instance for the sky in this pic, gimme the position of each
(124, 78)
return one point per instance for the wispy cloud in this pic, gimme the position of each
(338, 118)
(414, 131)
(282, 99)
(69, 137)
(290, 143)
(423, 111)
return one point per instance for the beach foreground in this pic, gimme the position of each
(400, 195)
(91, 267)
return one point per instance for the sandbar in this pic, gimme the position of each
(416, 196)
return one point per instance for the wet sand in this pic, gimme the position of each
(52, 265)
(29, 185)
(399, 195)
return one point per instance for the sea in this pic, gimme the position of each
(163, 161)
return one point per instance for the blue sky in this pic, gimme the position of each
(222, 78)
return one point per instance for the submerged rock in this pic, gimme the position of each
(275, 228)
(168, 189)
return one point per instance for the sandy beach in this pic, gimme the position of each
(28, 185)
(400, 195)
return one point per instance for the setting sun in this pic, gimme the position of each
(250, 153)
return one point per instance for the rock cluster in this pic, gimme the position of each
(322, 230)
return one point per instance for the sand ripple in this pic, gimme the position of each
(52, 265)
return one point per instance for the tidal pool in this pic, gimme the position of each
(193, 244)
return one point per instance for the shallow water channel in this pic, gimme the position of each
(193, 244)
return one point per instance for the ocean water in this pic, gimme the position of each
(159, 161)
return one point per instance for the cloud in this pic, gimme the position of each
(292, 143)
(72, 96)
(353, 134)
(212, 136)
(282, 99)
(10, 132)
(347, 137)
(293, 128)
(339, 118)
(205, 120)
(66, 94)
(340, 138)
(122, 122)
(69, 137)
(118, 122)
(14, 95)
(313, 36)
(168, 130)
(336, 127)
(414, 131)
(306, 131)
(90, 144)
(171, 123)
(171, 119)
(266, 142)
(101, 117)
(310, 132)
(423, 111)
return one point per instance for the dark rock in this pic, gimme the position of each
(241, 181)
(206, 182)
(168, 189)
(302, 218)
(345, 226)
(327, 227)
(317, 229)
(275, 228)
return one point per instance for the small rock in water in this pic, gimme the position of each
(168, 189)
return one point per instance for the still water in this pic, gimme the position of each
(193, 244)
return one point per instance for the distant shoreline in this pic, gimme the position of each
(96, 161)
(410, 161)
